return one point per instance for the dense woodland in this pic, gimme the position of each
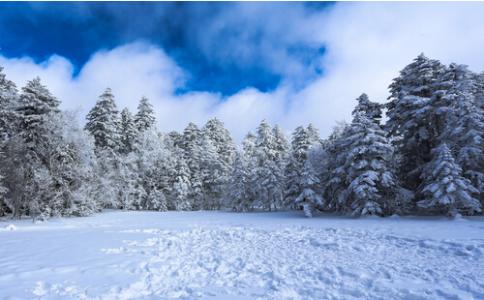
(426, 158)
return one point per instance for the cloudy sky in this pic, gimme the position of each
(288, 63)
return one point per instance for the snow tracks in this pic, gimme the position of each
(295, 263)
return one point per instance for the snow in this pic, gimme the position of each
(223, 255)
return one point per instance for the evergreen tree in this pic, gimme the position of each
(145, 117)
(8, 99)
(313, 134)
(38, 131)
(103, 123)
(309, 197)
(371, 109)
(128, 132)
(239, 190)
(268, 183)
(156, 169)
(191, 145)
(371, 186)
(212, 175)
(36, 110)
(444, 188)
(410, 118)
(464, 130)
(300, 144)
(181, 185)
(222, 141)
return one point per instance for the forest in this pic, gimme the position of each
(419, 153)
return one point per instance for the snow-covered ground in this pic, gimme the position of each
(220, 255)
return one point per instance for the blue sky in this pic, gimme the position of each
(77, 30)
(290, 63)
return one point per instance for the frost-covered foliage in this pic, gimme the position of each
(103, 123)
(309, 197)
(145, 117)
(426, 158)
(444, 188)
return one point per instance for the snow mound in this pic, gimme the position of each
(10, 227)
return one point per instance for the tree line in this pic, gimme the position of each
(426, 158)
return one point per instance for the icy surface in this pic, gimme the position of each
(218, 255)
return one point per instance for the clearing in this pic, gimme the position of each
(223, 255)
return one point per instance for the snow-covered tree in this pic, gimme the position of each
(103, 123)
(8, 99)
(268, 181)
(300, 144)
(37, 132)
(371, 109)
(225, 150)
(239, 191)
(192, 151)
(37, 111)
(128, 132)
(371, 183)
(309, 197)
(212, 173)
(181, 185)
(444, 188)
(222, 141)
(410, 115)
(464, 127)
(145, 117)
(313, 134)
(156, 168)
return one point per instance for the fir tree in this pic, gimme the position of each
(300, 144)
(145, 117)
(370, 180)
(444, 188)
(371, 109)
(181, 185)
(309, 198)
(103, 123)
(239, 190)
(128, 132)
(410, 115)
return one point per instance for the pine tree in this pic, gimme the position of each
(191, 145)
(36, 110)
(444, 188)
(212, 174)
(103, 123)
(371, 109)
(155, 168)
(225, 151)
(313, 134)
(145, 117)
(410, 115)
(464, 128)
(239, 190)
(8, 99)
(309, 197)
(268, 182)
(128, 132)
(222, 141)
(370, 182)
(181, 185)
(300, 144)
(37, 131)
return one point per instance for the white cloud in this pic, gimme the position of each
(367, 44)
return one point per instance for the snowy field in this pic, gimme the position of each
(217, 255)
